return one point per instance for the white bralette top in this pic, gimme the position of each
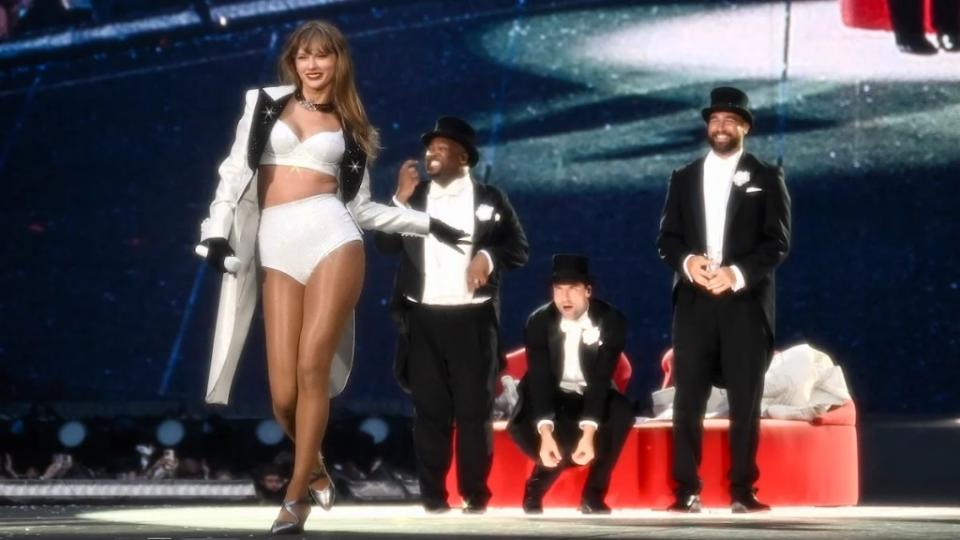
(321, 151)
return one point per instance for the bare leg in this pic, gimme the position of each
(283, 319)
(283, 316)
(330, 296)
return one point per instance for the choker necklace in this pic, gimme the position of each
(315, 107)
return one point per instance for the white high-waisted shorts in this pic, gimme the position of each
(295, 236)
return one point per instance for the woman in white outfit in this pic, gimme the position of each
(293, 195)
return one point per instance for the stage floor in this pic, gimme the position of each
(398, 522)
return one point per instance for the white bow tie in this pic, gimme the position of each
(567, 326)
(452, 190)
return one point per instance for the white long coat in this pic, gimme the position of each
(235, 215)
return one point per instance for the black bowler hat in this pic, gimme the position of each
(729, 99)
(571, 268)
(457, 129)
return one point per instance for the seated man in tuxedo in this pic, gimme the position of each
(570, 413)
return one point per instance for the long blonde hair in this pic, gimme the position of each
(345, 97)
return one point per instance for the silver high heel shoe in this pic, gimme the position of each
(322, 497)
(295, 526)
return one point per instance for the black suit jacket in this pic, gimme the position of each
(502, 236)
(544, 346)
(757, 228)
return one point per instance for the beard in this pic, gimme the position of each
(729, 146)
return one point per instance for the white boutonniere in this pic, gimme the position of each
(484, 212)
(741, 177)
(591, 335)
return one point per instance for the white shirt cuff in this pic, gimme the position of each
(684, 266)
(397, 202)
(584, 423)
(739, 282)
(489, 260)
(544, 422)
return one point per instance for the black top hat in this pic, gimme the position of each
(730, 99)
(571, 268)
(457, 129)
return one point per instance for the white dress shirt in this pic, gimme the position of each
(445, 269)
(572, 380)
(717, 183)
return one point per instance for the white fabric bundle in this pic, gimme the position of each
(800, 384)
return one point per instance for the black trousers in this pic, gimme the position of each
(718, 340)
(452, 368)
(618, 418)
(906, 16)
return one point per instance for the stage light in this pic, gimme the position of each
(376, 428)
(223, 21)
(170, 432)
(269, 432)
(72, 434)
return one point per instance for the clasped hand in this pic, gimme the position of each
(550, 454)
(713, 281)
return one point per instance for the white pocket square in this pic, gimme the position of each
(754, 189)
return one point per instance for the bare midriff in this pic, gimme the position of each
(280, 184)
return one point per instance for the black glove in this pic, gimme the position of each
(448, 235)
(218, 249)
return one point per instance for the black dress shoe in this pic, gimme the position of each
(594, 507)
(474, 507)
(537, 486)
(686, 503)
(436, 507)
(532, 505)
(743, 504)
(916, 45)
(949, 42)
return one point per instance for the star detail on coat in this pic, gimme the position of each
(269, 112)
(355, 166)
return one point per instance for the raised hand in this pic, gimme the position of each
(407, 179)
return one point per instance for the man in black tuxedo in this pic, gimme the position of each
(724, 230)
(446, 304)
(569, 411)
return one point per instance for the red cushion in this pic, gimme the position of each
(873, 14)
